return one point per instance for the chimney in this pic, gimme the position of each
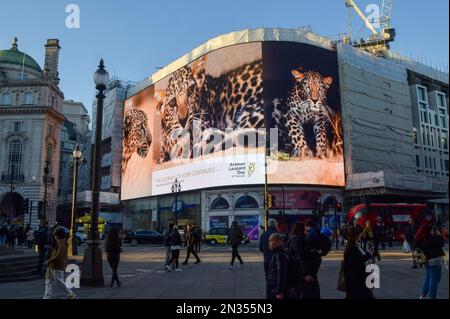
(51, 60)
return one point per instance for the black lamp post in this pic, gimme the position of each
(176, 188)
(76, 157)
(92, 274)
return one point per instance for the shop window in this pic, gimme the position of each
(246, 202)
(220, 203)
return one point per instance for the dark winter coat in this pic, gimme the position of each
(355, 273)
(235, 236)
(300, 259)
(277, 272)
(264, 244)
(113, 245)
(175, 239)
(432, 246)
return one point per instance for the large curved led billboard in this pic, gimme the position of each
(206, 123)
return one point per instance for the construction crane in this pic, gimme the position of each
(378, 42)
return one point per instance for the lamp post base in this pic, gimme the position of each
(92, 272)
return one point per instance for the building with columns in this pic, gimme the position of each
(30, 128)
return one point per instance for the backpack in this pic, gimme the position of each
(324, 245)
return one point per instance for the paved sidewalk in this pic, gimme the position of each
(143, 277)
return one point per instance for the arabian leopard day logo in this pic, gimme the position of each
(251, 168)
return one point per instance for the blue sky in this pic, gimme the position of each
(136, 36)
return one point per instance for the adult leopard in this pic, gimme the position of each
(306, 103)
(231, 100)
(136, 136)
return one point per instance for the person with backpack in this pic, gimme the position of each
(431, 241)
(278, 266)
(354, 267)
(319, 245)
(175, 247)
(299, 265)
(167, 235)
(56, 266)
(234, 239)
(190, 243)
(41, 240)
(264, 248)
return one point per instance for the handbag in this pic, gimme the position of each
(419, 256)
(406, 248)
(341, 279)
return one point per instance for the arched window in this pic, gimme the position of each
(6, 99)
(15, 159)
(246, 201)
(220, 203)
(28, 98)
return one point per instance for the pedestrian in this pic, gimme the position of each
(198, 233)
(278, 266)
(367, 236)
(21, 235)
(167, 235)
(409, 233)
(431, 241)
(272, 225)
(378, 238)
(390, 236)
(299, 266)
(30, 238)
(175, 246)
(356, 260)
(113, 248)
(41, 239)
(56, 267)
(190, 243)
(11, 236)
(313, 239)
(235, 238)
(3, 233)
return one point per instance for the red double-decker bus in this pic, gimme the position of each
(392, 215)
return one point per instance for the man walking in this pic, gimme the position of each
(235, 238)
(167, 236)
(190, 243)
(272, 225)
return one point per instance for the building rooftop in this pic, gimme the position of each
(14, 56)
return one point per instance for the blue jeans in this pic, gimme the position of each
(432, 280)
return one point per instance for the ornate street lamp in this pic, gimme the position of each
(76, 157)
(176, 188)
(92, 274)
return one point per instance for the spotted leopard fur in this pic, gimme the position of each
(136, 136)
(307, 103)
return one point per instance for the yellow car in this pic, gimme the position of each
(219, 235)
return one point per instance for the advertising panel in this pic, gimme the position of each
(198, 124)
(295, 199)
(204, 124)
(301, 100)
(218, 221)
(249, 224)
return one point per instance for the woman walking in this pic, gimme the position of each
(113, 249)
(56, 266)
(355, 262)
(190, 243)
(431, 241)
(235, 238)
(175, 246)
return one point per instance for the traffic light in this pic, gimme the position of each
(26, 206)
(40, 207)
(338, 207)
